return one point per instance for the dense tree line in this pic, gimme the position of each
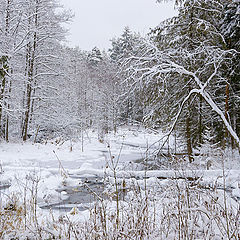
(183, 77)
(45, 88)
(30, 40)
(188, 72)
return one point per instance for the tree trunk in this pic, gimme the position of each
(188, 136)
(30, 76)
(7, 129)
(3, 84)
(226, 113)
(27, 112)
(200, 131)
(7, 115)
(188, 120)
(3, 71)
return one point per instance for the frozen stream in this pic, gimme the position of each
(92, 188)
(80, 196)
(24, 163)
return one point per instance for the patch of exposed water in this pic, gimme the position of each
(80, 196)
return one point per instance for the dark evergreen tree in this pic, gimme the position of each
(188, 52)
(230, 29)
(124, 46)
(94, 57)
(131, 103)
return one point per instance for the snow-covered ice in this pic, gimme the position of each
(55, 167)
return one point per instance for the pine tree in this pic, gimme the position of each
(230, 28)
(208, 149)
(124, 46)
(183, 65)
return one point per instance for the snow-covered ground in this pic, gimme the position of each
(56, 165)
(48, 162)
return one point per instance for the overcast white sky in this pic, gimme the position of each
(98, 21)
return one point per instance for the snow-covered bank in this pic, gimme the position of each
(47, 161)
(60, 176)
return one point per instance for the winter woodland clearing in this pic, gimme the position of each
(137, 142)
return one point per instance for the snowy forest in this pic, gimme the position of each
(140, 141)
